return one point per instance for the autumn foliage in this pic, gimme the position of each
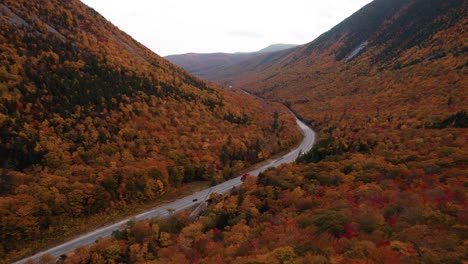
(92, 122)
(288, 215)
(385, 183)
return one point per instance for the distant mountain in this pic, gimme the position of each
(206, 65)
(277, 47)
(92, 122)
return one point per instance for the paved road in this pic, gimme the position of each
(181, 204)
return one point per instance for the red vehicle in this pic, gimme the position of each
(244, 176)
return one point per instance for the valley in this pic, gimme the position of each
(181, 204)
(93, 123)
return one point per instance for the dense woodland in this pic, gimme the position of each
(92, 122)
(385, 183)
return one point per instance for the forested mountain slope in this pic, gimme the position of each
(383, 38)
(387, 180)
(91, 122)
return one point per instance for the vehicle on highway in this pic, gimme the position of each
(244, 176)
(176, 206)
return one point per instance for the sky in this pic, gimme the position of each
(205, 26)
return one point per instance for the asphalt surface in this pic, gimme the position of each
(181, 204)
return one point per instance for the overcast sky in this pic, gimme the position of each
(205, 26)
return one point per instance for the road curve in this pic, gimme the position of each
(181, 204)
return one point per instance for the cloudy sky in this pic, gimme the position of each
(204, 26)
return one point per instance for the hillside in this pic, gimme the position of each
(385, 183)
(382, 37)
(92, 123)
(209, 65)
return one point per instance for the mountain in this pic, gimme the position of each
(204, 65)
(93, 124)
(385, 183)
(384, 35)
(210, 64)
(276, 47)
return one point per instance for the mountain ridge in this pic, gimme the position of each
(206, 64)
(354, 32)
(277, 47)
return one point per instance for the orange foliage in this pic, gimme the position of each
(92, 121)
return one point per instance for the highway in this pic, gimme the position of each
(181, 204)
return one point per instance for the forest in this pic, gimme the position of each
(93, 124)
(386, 181)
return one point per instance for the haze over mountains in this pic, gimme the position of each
(207, 65)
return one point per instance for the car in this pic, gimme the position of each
(194, 200)
(244, 176)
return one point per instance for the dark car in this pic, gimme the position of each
(244, 176)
